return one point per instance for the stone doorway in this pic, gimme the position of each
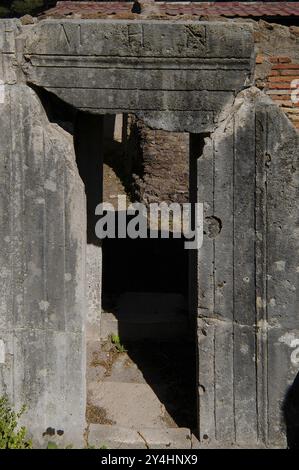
(146, 383)
(141, 353)
(180, 76)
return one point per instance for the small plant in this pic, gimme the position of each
(52, 445)
(12, 437)
(91, 446)
(115, 340)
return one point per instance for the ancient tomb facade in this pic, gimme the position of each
(191, 77)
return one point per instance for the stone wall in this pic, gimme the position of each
(277, 66)
(180, 77)
(43, 240)
(247, 275)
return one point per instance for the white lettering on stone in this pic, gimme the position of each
(2, 352)
(2, 92)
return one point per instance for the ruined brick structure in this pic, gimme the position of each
(185, 77)
(162, 154)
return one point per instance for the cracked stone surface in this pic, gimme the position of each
(177, 76)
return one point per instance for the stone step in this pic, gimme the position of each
(119, 437)
(151, 372)
(147, 315)
(105, 364)
(129, 405)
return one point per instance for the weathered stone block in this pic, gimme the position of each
(43, 229)
(171, 75)
(247, 306)
(103, 67)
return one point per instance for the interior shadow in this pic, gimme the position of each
(125, 155)
(88, 133)
(163, 348)
(291, 414)
(88, 136)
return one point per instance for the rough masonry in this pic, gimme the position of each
(176, 76)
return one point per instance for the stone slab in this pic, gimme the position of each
(117, 437)
(128, 404)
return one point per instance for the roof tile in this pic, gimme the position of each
(229, 9)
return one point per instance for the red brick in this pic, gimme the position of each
(279, 86)
(285, 66)
(273, 95)
(285, 104)
(273, 60)
(284, 60)
(280, 97)
(289, 72)
(290, 104)
(274, 73)
(281, 78)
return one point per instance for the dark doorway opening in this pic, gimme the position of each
(145, 288)
(146, 312)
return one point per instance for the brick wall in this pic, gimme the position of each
(281, 82)
(164, 174)
(148, 165)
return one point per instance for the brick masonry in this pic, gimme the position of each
(165, 166)
(282, 84)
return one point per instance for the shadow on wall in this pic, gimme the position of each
(291, 414)
(145, 265)
(88, 137)
(159, 342)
